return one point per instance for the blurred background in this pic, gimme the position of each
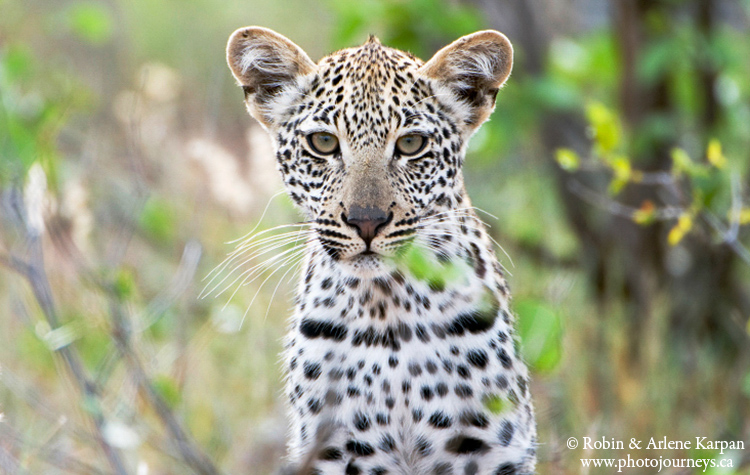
(614, 173)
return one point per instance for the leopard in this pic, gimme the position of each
(402, 355)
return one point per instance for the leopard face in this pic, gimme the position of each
(370, 141)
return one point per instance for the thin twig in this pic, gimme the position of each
(190, 453)
(616, 208)
(52, 456)
(34, 273)
(729, 235)
(8, 463)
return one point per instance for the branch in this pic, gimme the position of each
(8, 463)
(120, 333)
(34, 273)
(616, 208)
(190, 453)
(729, 235)
(52, 456)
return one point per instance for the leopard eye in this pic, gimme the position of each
(323, 143)
(411, 144)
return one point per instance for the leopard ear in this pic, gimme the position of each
(265, 63)
(474, 68)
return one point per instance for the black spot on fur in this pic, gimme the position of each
(383, 419)
(352, 469)
(442, 468)
(431, 367)
(473, 322)
(476, 419)
(424, 447)
(504, 358)
(331, 453)
(356, 447)
(439, 420)
(507, 469)
(422, 334)
(317, 328)
(361, 421)
(387, 444)
(506, 433)
(477, 358)
(314, 405)
(311, 370)
(463, 371)
(463, 391)
(462, 444)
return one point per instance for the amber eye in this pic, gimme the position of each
(323, 143)
(410, 144)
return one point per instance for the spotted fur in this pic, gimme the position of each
(404, 374)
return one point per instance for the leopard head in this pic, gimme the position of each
(370, 141)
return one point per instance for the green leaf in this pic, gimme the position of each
(168, 389)
(646, 214)
(124, 284)
(16, 63)
(158, 220)
(496, 404)
(622, 171)
(656, 60)
(683, 164)
(422, 264)
(679, 230)
(540, 331)
(567, 159)
(605, 127)
(32, 350)
(715, 155)
(91, 22)
(94, 345)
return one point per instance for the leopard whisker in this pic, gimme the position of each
(269, 247)
(293, 269)
(263, 215)
(260, 287)
(256, 269)
(261, 237)
(250, 278)
(247, 245)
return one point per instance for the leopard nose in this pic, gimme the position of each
(368, 221)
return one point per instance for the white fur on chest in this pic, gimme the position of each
(406, 363)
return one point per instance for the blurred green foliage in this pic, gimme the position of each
(33, 110)
(540, 329)
(417, 26)
(91, 22)
(158, 220)
(422, 264)
(168, 389)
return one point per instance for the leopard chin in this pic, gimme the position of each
(367, 264)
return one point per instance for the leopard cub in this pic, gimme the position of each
(401, 355)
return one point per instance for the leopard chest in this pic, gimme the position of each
(383, 356)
